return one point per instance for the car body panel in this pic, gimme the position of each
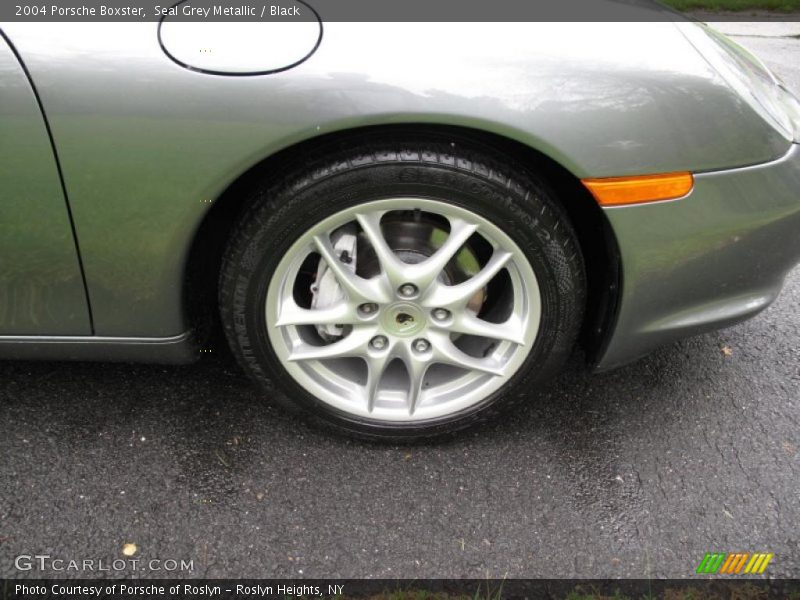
(147, 146)
(709, 260)
(41, 287)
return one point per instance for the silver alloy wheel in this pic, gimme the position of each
(413, 347)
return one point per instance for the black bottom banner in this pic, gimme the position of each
(406, 589)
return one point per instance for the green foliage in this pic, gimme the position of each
(735, 5)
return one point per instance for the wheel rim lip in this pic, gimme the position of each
(466, 391)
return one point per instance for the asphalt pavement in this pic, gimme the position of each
(633, 473)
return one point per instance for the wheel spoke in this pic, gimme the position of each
(511, 330)
(376, 366)
(426, 272)
(352, 345)
(291, 314)
(457, 296)
(391, 265)
(416, 370)
(357, 288)
(447, 353)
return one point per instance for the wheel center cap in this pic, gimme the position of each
(403, 319)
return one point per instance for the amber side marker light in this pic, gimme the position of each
(618, 191)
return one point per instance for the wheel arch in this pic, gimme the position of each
(595, 235)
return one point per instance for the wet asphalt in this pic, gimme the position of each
(634, 473)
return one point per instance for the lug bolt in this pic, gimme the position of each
(408, 289)
(441, 314)
(368, 308)
(379, 342)
(421, 345)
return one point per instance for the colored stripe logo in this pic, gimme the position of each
(741, 563)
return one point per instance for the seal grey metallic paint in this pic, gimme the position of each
(146, 148)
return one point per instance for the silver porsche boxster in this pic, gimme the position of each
(402, 228)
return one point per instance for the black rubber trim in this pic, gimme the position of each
(246, 73)
(610, 300)
(60, 175)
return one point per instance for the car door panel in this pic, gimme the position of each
(41, 286)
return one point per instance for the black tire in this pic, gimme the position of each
(485, 181)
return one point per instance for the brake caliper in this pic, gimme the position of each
(325, 290)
